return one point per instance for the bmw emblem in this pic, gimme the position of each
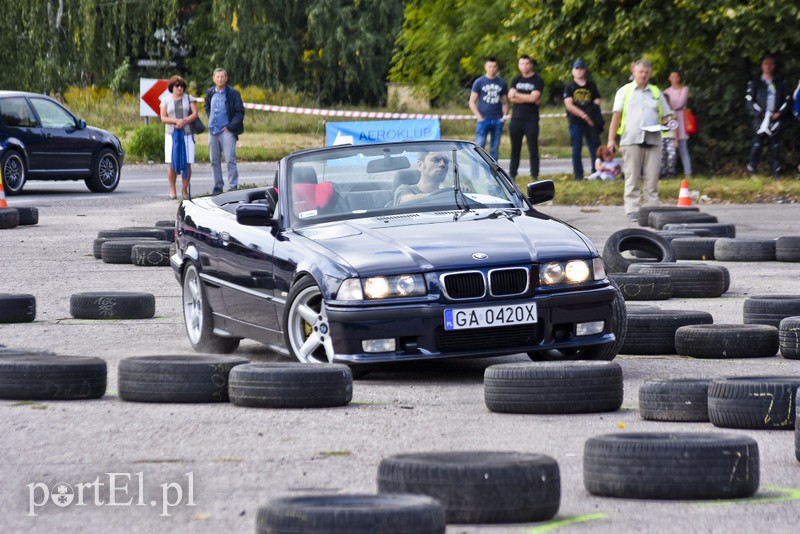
(479, 256)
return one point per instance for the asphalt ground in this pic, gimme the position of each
(227, 460)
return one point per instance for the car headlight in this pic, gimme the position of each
(383, 287)
(566, 272)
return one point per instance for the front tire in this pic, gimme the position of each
(14, 172)
(197, 317)
(307, 331)
(105, 172)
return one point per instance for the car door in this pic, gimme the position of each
(20, 124)
(245, 263)
(68, 147)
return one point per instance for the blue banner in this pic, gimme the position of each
(364, 133)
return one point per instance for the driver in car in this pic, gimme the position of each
(433, 168)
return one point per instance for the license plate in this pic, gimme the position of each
(489, 316)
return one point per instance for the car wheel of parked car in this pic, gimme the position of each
(14, 172)
(307, 331)
(197, 317)
(105, 173)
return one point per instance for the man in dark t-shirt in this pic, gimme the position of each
(582, 100)
(525, 92)
(488, 101)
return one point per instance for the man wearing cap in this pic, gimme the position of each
(488, 101)
(639, 110)
(582, 100)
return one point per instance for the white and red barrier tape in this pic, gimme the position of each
(365, 114)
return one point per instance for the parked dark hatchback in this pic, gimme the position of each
(42, 140)
(392, 252)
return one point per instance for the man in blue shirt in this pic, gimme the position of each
(489, 102)
(225, 123)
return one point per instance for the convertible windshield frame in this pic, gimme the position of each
(353, 182)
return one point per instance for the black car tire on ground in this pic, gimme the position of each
(9, 218)
(121, 250)
(478, 486)
(619, 327)
(97, 245)
(787, 248)
(17, 308)
(553, 387)
(756, 403)
(726, 274)
(105, 172)
(688, 281)
(638, 239)
(290, 385)
(14, 172)
(715, 229)
(197, 316)
(669, 235)
(770, 309)
(45, 376)
(727, 341)
(663, 465)
(694, 248)
(658, 219)
(645, 211)
(681, 399)
(653, 332)
(738, 249)
(351, 514)
(154, 254)
(643, 286)
(28, 216)
(144, 231)
(112, 305)
(789, 337)
(201, 378)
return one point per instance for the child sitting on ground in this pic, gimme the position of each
(606, 167)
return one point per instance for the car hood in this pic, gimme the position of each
(435, 242)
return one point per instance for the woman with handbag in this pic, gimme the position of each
(678, 97)
(178, 112)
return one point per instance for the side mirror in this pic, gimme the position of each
(255, 214)
(81, 124)
(541, 191)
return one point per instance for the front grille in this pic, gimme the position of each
(519, 337)
(466, 285)
(508, 281)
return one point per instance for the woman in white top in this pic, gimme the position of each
(178, 111)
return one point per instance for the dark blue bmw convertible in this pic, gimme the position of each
(392, 252)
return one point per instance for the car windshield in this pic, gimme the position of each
(381, 180)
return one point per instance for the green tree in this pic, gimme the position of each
(442, 45)
(334, 50)
(717, 44)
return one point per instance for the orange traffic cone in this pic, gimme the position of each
(3, 203)
(684, 199)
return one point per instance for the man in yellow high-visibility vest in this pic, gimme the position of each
(639, 110)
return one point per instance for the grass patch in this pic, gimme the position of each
(713, 190)
(332, 454)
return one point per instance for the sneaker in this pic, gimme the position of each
(233, 188)
(751, 170)
(216, 191)
(632, 216)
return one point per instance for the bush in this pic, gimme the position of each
(147, 142)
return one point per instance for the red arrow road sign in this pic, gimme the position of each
(151, 97)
